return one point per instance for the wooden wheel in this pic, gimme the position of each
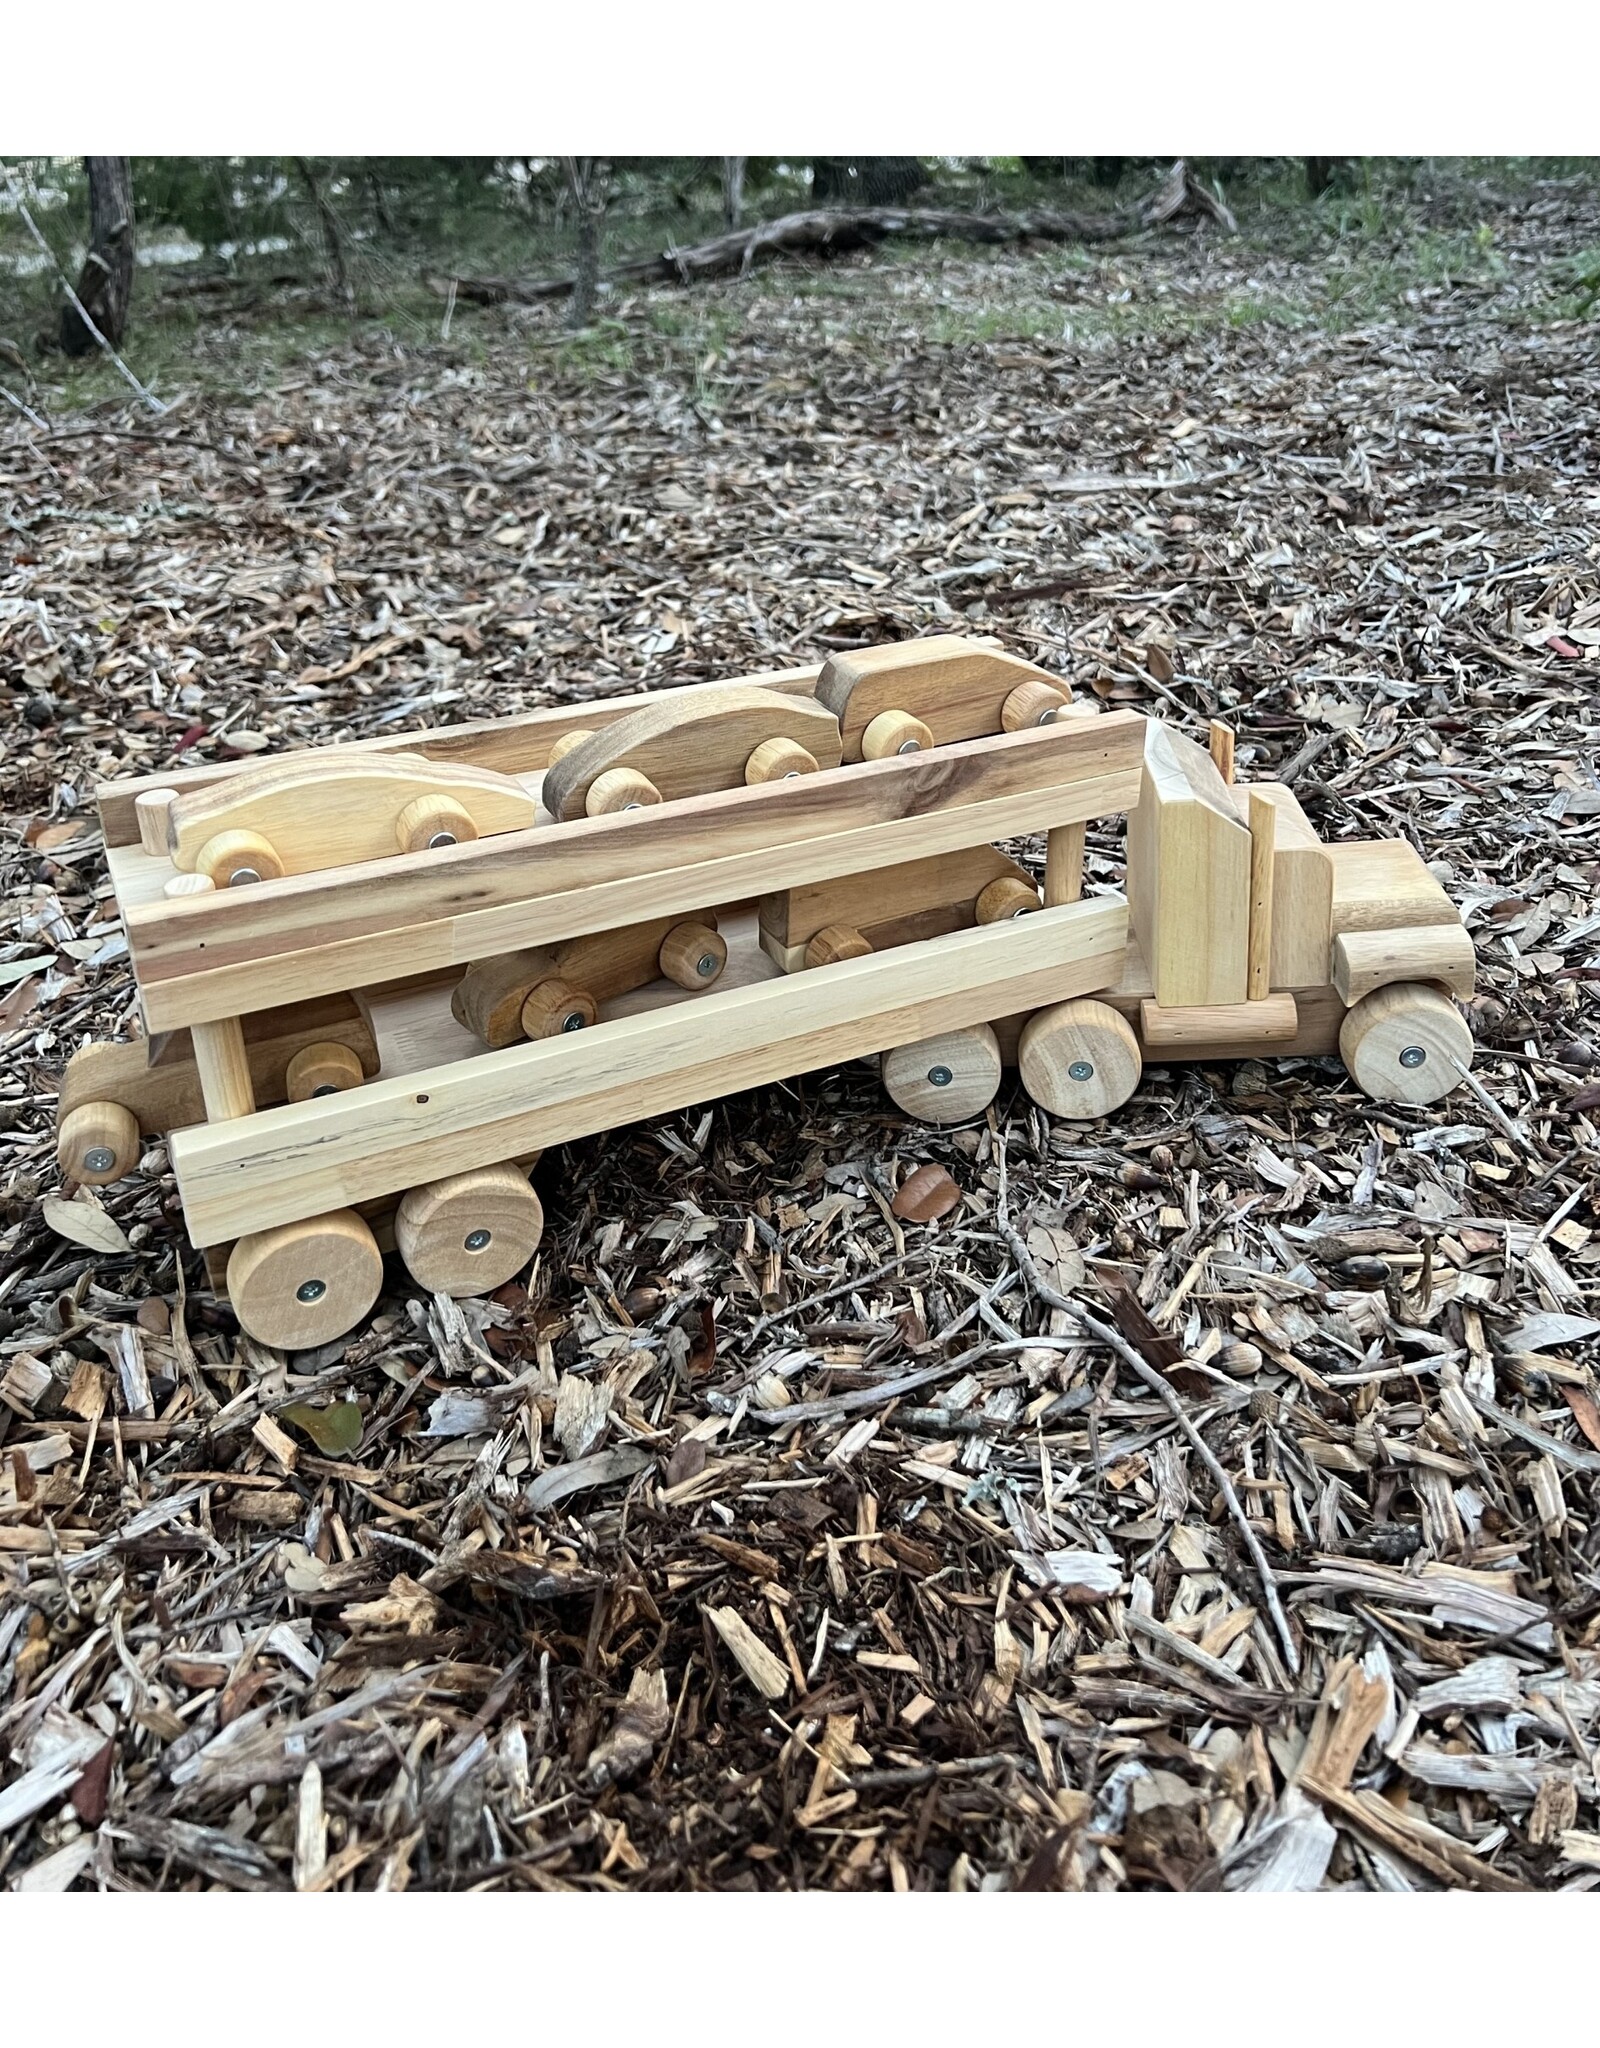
(553, 1006)
(470, 1232)
(1402, 1043)
(233, 859)
(1006, 897)
(620, 789)
(98, 1142)
(1030, 704)
(947, 1078)
(894, 732)
(693, 955)
(322, 1069)
(429, 821)
(565, 745)
(1079, 1059)
(303, 1284)
(836, 942)
(778, 760)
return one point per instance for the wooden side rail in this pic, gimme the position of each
(305, 1158)
(202, 958)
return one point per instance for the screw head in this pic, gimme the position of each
(241, 876)
(442, 839)
(327, 1088)
(99, 1159)
(310, 1290)
(1413, 1055)
(909, 747)
(477, 1240)
(633, 807)
(706, 965)
(1081, 1070)
(573, 1021)
(940, 1077)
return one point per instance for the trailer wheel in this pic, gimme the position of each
(325, 1068)
(303, 1284)
(98, 1143)
(947, 1078)
(1403, 1043)
(233, 859)
(1079, 1059)
(470, 1232)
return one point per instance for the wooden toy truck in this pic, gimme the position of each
(379, 979)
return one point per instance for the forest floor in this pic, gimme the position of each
(763, 1538)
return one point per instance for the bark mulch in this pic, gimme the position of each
(784, 1528)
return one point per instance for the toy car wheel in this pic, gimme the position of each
(1405, 1042)
(1079, 1059)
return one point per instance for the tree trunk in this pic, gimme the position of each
(733, 190)
(105, 284)
(586, 181)
(332, 238)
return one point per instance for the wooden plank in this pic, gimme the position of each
(954, 685)
(884, 896)
(1302, 888)
(689, 748)
(517, 745)
(1272, 1020)
(208, 956)
(1363, 961)
(299, 1160)
(1063, 864)
(1258, 950)
(1188, 875)
(224, 1069)
(1382, 885)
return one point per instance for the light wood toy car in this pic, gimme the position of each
(378, 980)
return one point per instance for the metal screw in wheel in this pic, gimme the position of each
(99, 1160)
(1081, 1070)
(1413, 1055)
(574, 1020)
(941, 1077)
(707, 965)
(310, 1290)
(477, 1240)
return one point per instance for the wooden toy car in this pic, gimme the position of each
(377, 980)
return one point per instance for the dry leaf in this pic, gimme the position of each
(335, 1430)
(1584, 1413)
(926, 1194)
(85, 1223)
(1055, 1252)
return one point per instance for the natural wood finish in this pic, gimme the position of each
(150, 817)
(688, 749)
(777, 760)
(519, 745)
(1063, 865)
(568, 740)
(97, 1143)
(158, 1081)
(188, 885)
(329, 808)
(288, 1162)
(619, 789)
(1302, 888)
(1188, 875)
(470, 1232)
(421, 912)
(894, 732)
(332, 1259)
(947, 1078)
(956, 687)
(1033, 702)
(1383, 1034)
(836, 942)
(1270, 1019)
(224, 1069)
(1221, 740)
(238, 860)
(886, 895)
(1383, 885)
(431, 821)
(1258, 947)
(693, 955)
(554, 1007)
(488, 999)
(1007, 897)
(1079, 1059)
(322, 1069)
(1363, 961)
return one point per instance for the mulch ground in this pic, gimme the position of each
(767, 1538)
